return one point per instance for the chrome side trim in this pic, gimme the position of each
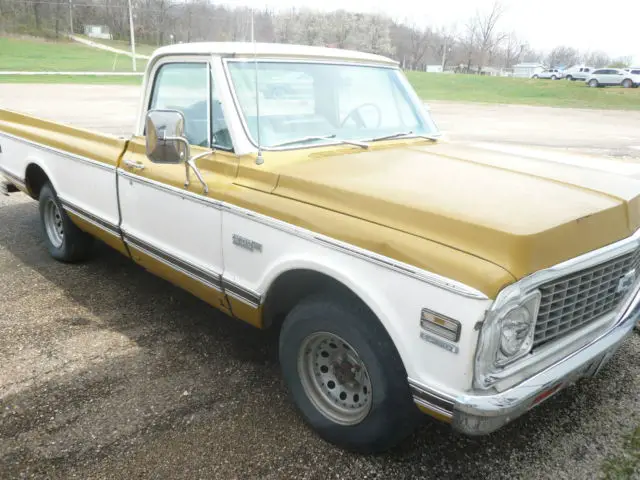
(170, 189)
(98, 222)
(241, 293)
(72, 156)
(380, 260)
(431, 399)
(208, 278)
(17, 181)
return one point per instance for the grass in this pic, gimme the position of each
(559, 93)
(64, 56)
(141, 49)
(72, 79)
(626, 464)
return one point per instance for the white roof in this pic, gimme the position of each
(271, 50)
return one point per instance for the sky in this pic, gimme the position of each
(612, 27)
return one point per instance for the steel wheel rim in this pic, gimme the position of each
(53, 223)
(334, 378)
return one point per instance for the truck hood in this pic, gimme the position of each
(522, 209)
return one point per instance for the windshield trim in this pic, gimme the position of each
(236, 102)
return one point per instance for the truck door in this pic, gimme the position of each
(171, 229)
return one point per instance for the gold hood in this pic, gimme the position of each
(518, 208)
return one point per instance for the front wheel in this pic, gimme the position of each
(553, 77)
(64, 240)
(345, 375)
(593, 83)
(535, 77)
(627, 83)
(569, 77)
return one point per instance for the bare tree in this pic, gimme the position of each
(563, 56)
(483, 26)
(596, 59)
(512, 49)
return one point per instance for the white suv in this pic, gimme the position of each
(608, 77)
(552, 73)
(578, 73)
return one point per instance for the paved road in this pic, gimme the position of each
(109, 372)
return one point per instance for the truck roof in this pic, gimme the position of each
(271, 50)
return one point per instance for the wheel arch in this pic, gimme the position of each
(292, 283)
(35, 177)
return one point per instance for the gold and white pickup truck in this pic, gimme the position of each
(305, 189)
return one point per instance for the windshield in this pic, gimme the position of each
(330, 102)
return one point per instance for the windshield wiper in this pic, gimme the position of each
(403, 134)
(319, 137)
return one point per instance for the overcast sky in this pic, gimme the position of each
(612, 26)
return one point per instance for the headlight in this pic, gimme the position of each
(507, 334)
(516, 329)
(515, 335)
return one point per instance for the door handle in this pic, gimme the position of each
(132, 164)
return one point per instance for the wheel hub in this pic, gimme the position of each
(334, 378)
(53, 223)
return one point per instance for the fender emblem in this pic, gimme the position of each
(246, 243)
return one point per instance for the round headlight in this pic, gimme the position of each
(516, 328)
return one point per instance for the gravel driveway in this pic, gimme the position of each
(109, 372)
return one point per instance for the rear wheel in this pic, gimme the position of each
(64, 240)
(627, 83)
(593, 83)
(535, 76)
(569, 77)
(553, 77)
(345, 375)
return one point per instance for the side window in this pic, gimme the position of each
(185, 87)
(220, 136)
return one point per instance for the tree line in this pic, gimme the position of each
(471, 46)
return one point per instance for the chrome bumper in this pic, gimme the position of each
(479, 414)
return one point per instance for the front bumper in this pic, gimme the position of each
(479, 414)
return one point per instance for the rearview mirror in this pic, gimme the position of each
(165, 137)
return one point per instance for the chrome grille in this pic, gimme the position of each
(578, 299)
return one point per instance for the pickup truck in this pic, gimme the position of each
(404, 273)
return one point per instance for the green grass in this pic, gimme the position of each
(626, 464)
(76, 79)
(38, 55)
(559, 93)
(141, 49)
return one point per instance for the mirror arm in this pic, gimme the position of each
(192, 163)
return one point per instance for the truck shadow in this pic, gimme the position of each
(193, 381)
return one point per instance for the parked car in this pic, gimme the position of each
(578, 73)
(403, 274)
(613, 77)
(553, 74)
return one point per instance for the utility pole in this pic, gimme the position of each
(71, 16)
(133, 37)
(444, 53)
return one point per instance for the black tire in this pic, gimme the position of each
(593, 83)
(535, 77)
(393, 415)
(626, 83)
(569, 77)
(553, 77)
(75, 244)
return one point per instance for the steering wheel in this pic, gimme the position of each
(355, 113)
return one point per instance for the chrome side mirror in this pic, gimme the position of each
(166, 143)
(165, 139)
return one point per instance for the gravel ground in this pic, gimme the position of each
(109, 372)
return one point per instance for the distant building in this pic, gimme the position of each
(97, 31)
(434, 68)
(526, 70)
